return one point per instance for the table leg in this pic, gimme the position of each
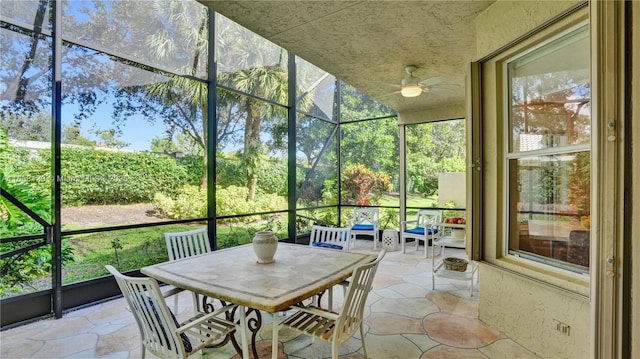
(274, 337)
(243, 334)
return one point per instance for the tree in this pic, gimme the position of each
(255, 66)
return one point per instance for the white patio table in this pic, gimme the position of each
(233, 275)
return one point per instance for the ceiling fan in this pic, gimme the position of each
(411, 86)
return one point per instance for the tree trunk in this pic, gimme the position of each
(205, 154)
(252, 146)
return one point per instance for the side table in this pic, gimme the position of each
(390, 240)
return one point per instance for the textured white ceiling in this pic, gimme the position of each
(369, 43)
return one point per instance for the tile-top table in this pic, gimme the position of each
(233, 275)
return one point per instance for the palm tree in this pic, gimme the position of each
(258, 68)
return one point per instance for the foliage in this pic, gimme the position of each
(272, 178)
(191, 202)
(434, 148)
(374, 144)
(389, 218)
(22, 269)
(362, 186)
(91, 176)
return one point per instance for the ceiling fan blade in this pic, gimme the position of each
(398, 86)
(432, 80)
(443, 88)
(389, 94)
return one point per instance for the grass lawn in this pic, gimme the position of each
(135, 248)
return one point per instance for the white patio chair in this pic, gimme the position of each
(365, 221)
(187, 244)
(423, 228)
(333, 238)
(160, 332)
(337, 328)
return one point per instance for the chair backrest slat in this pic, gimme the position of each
(187, 244)
(157, 327)
(428, 217)
(366, 216)
(352, 311)
(330, 236)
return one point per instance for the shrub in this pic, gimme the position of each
(22, 270)
(191, 202)
(91, 176)
(362, 186)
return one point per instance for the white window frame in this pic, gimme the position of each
(513, 155)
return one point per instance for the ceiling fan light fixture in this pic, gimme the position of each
(411, 90)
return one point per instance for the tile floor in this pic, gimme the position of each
(404, 319)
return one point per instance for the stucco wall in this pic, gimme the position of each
(527, 312)
(523, 301)
(505, 21)
(452, 186)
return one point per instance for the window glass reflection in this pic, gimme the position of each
(170, 35)
(315, 91)
(551, 204)
(31, 14)
(550, 95)
(358, 106)
(249, 63)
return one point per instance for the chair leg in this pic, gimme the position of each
(364, 345)
(143, 350)
(196, 304)
(330, 299)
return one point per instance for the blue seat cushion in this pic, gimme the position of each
(362, 227)
(326, 245)
(420, 231)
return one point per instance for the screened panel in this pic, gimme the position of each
(315, 91)
(25, 134)
(251, 162)
(436, 165)
(369, 157)
(25, 86)
(249, 63)
(358, 106)
(317, 174)
(125, 249)
(237, 231)
(169, 35)
(129, 137)
(27, 13)
(307, 218)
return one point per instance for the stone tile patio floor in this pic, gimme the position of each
(404, 319)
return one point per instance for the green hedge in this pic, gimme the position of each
(92, 176)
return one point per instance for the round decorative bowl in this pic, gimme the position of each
(455, 264)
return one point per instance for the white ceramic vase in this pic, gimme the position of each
(265, 244)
